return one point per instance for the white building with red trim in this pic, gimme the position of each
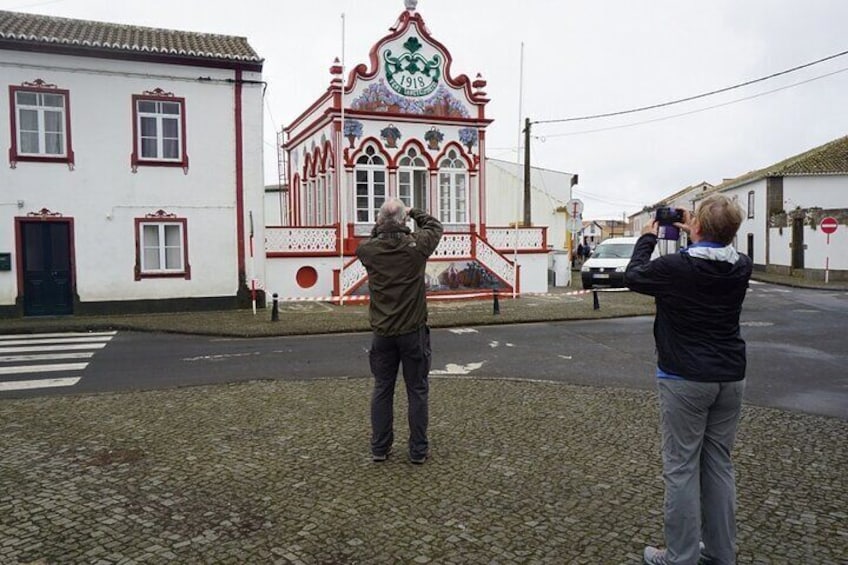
(134, 167)
(401, 125)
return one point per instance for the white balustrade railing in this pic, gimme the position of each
(352, 275)
(525, 239)
(297, 240)
(495, 262)
(453, 245)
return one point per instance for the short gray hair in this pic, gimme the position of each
(393, 211)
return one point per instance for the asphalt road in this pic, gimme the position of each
(797, 354)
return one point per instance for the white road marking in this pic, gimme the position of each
(68, 347)
(44, 357)
(756, 324)
(18, 369)
(453, 369)
(56, 340)
(464, 331)
(220, 356)
(568, 357)
(494, 344)
(67, 334)
(40, 349)
(40, 383)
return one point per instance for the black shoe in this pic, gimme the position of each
(419, 459)
(380, 457)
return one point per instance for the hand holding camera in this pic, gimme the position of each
(670, 221)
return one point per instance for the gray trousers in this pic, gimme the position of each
(411, 350)
(698, 423)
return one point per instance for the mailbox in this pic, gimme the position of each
(5, 261)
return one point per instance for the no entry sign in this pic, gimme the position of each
(829, 225)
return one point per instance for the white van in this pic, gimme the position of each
(605, 268)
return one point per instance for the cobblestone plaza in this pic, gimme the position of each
(279, 472)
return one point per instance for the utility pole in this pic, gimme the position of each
(527, 220)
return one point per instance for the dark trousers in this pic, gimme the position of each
(412, 350)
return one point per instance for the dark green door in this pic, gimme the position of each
(47, 268)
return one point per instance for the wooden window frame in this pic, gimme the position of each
(39, 87)
(161, 220)
(136, 159)
(370, 167)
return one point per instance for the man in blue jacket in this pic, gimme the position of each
(395, 259)
(700, 377)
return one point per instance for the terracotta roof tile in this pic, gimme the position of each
(828, 159)
(37, 29)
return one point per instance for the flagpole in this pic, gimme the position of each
(519, 192)
(340, 171)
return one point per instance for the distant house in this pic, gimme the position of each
(592, 232)
(684, 198)
(134, 167)
(784, 205)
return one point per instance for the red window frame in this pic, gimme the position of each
(39, 87)
(160, 218)
(158, 96)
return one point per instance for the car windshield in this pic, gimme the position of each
(613, 251)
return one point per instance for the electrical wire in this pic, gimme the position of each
(696, 111)
(588, 196)
(690, 98)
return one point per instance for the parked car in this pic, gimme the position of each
(605, 268)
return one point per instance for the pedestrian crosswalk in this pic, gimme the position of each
(26, 356)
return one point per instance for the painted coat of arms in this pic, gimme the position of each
(411, 73)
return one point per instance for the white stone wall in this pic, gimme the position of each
(534, 272)
(282, 274)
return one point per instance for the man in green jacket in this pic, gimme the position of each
(395, 258)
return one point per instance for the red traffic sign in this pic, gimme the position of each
(829, 225)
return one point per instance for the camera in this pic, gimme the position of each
(668, 216)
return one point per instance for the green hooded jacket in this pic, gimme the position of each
(395, 259)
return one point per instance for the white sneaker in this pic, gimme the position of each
(654, 556)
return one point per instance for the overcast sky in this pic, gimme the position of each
(581, 57)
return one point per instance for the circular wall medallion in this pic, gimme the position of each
(307, 277)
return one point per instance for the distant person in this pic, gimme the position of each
(580, 252)
(700, 377)
(395, 259)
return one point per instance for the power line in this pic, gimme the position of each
(586, 195)
(697, 111)
(695, 97)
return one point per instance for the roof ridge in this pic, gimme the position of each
(805, 162)
(109, 36)
(63, 19)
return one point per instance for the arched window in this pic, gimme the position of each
(310, 202)
(320, 201)
(370, 174)
(330, 189)
(453, 189)
(412, 180)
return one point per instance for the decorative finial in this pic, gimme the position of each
(410, 4)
